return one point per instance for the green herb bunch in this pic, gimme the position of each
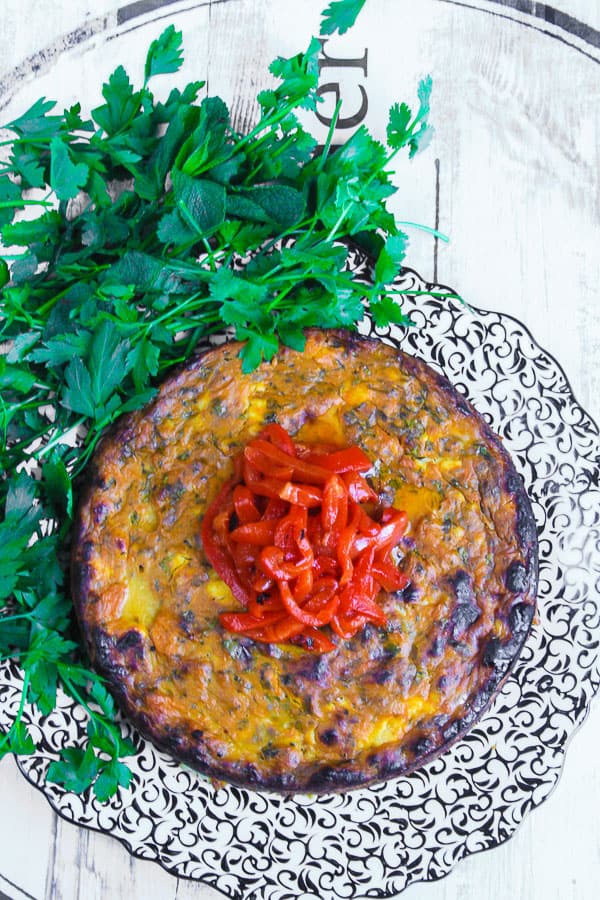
(159, 223)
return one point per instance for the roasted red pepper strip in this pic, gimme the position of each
(294, 610)
(352, 459)
(289, 531)
(267, 602)
(258, 533)
(313, 639)
(276, 508)
(279, 437)
(346, 627)
(325, 600)
(363, 606)
(289, 537)
(302, 614)
(218, 554)
(367, 525)
(361, 586)
(325, 565)
(388, 575)
(301, 494)
(243, 557)
(262, 583)
(388, 535)
(393, 527)
(245, 507)
(272, 561)
(296, 494)
(264, 456)
(334, 511)
(346, 541)
(303, 586)
(278, 632)
(358, 488)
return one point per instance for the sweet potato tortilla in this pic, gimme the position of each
(279, 716)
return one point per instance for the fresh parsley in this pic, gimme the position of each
(340, 15)
(158, 224)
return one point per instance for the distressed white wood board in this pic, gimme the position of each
(517, 114)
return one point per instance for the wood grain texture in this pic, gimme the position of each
(518, 142)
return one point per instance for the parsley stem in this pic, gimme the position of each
(18, 717)
(52, 302)
(388, 160)
(368, 181)
(268, 276)
(98, 716)
(19, 204)
(275, 153)
(210, 254)
(279, 297)
(177, 310)
(410, 293)
(22, 140)
(30, 439)
(298, 228)
(373, 293)
(25, 317)
(12, 618)
(265, 123)
(59, 438)
(182, 327)
(329, 138)
(340, 220)
(432, 231)
(188, 217)
(25, 404)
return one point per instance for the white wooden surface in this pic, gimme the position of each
(518, 121)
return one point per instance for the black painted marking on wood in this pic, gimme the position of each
(43, 58)
(51, 880)
(158, 5)
(140, 8)
(541, 11)
(533, 26)
(16, 887)
(555, 17)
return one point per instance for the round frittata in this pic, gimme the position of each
(277, 716)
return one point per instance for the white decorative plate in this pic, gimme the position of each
(378, 840)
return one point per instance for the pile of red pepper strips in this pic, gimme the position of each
(290, 538)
